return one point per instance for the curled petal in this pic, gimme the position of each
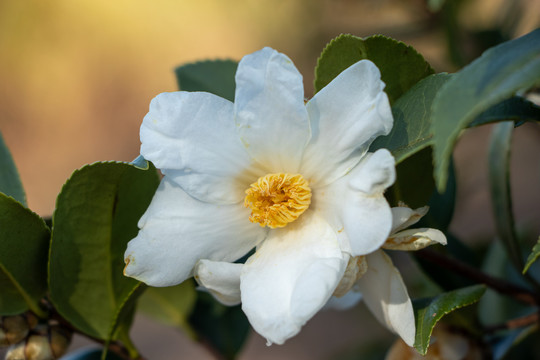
(355, 206)
(403, 217)
(291, 276)
(222, 279)
(191, 137)
(178, 230)
(414, 239)
(269, 110)
(346, 116)
(386, 296)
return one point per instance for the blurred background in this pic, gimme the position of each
(76, 79)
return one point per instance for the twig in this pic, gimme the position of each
(513, 323)
(499, 285)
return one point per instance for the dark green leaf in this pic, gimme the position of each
(515, 108)
(401, 66)
(412, 119)
(89, 354)
(495, 308)
(533, 256)
(170, 305)
(414, 184)
(441, 206)
(10, 183)
(224, 328)
(24, 244)
(216, 77)
(497, 75)
(499, 176)
(521, 343)
(429, 311)
(96, 215)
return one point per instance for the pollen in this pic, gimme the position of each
(277, 199)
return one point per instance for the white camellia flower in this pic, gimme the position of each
(292, 179)
(370, 277)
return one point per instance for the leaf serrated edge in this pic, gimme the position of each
(479, 288)
(77, 171)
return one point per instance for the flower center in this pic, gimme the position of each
(277, 199)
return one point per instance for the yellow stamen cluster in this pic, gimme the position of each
(277, 199)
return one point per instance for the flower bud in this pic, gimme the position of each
(15, 328)
(44, 343)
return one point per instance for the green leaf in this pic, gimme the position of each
(223, 327)
(216, 77)
(497, 75)
(414, 184)
(515, 108)
(430, 310)
(24, 244)
(401, 66)
(412, 119)
(96, 215)
(170, 305)
(10, 183)
(533, 256)
(441, 206)
(499, 176)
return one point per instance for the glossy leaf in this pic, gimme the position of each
(96, 215)
(441, 206)
(412, 119)
(533, 256)
(170, 305)
(224, 328)
(515, 108)
(414, 184)
(499, 176)
(497, 75)
(10, 183)
(429, 311)
(216, 77)
(401, 66)
(24, 244)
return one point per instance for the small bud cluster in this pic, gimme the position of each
(28, 340)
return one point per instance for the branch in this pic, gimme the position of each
(501, 286)
(514, 323)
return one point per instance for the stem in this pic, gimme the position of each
(501, 286)
(514, 323)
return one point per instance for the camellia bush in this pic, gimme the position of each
(253, 207)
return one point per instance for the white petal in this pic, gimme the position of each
(270, 111)
(192, 138)
(386, 296)
(347, 301)
(222, 279)
(414, 239)
(346, 115)
(291, 276)
(355, 206)
(178, 230)
(403, 217)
